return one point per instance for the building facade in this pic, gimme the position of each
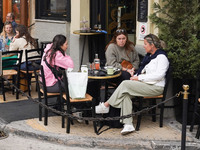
(47, 18)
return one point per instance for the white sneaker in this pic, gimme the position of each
(127, 129)
(101, 109)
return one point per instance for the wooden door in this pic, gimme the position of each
(19, 8)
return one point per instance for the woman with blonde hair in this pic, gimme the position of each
(6, 36)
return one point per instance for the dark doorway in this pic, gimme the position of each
(106, 13)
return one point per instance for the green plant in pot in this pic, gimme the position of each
(179, 26)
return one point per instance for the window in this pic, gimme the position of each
(53, 9)
(16, 10)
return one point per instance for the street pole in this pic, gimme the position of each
(184, 117)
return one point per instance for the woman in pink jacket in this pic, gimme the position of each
(55, 55)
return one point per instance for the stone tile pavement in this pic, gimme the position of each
(150, 135)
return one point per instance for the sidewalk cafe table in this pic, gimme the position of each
(85, 34)
(104, 77)
(100, 78)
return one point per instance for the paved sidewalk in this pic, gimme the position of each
(150, 136)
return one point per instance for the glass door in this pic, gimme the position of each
(16, 10)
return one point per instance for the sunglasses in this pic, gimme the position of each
(120, 31)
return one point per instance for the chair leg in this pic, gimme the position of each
(18, 84)
(13, 81)
(198, 132)
(68, 125)
(94, 115)
(139, 118)
(40, 113)
(106, 90)
(45, 117)
(40, 107)
(161, 115)
(2, 88)
(63, 121)
(153, 102)
(28, 78)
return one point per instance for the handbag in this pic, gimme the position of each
(77, 84)
(126, 64)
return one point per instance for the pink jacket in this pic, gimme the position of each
(60, 61)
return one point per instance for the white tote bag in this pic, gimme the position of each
(77, 83)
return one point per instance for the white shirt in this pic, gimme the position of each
(154, 72)
(20, 44)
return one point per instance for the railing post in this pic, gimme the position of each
(184, 117)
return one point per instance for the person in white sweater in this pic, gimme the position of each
(23, 41)
(148, 81)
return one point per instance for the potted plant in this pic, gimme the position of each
(179, 27)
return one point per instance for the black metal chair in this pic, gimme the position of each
(196, 113)
(11, 62)
(152, 101)
(46, 97)
(88, 104)
(31, 57)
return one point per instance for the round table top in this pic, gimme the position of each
(86, 33)
(115, 75)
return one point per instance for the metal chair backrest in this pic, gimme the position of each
(11, 60)
(40, 80)
(31, 57)
(65, 80)
(167, 80)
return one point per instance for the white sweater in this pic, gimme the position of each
(20, 44)
(154, 72)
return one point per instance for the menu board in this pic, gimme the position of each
(142, 10)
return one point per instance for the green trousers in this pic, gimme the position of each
(122, 96)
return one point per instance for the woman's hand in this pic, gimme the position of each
(131, 71)
(134, 78)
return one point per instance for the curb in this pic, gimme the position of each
(20, 128)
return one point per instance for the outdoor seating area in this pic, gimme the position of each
(149, 134)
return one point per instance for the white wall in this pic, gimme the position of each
(79, 9)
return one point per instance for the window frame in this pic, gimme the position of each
(41, 13)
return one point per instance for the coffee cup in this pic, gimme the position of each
(110, 70)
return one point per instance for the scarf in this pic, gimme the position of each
(148, 58)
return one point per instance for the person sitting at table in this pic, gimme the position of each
(55, 56)
(6, 36)
(148, 81)
(120, 48)
(10, 17)
(23, 41)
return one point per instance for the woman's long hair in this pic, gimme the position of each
(128, 43)
(3, 33)
(23, 31)
(58, 41)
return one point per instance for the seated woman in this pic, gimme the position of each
(120, 49)
(23, 41)
(6, 36)
(5, 40)
(55, 55)
(149, 81)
